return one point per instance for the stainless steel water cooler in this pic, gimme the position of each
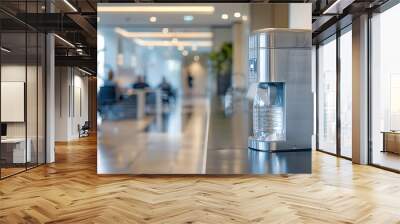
(280, 80)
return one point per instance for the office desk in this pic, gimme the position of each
(15, 148)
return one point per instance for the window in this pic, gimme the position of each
(327, 96)
(346, 92)
(385, 89)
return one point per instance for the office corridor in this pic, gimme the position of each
(160, 144)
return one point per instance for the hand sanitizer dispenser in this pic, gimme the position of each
(280, 88)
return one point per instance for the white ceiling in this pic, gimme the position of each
(141, 19)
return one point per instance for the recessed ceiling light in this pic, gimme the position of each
(224, 16)
(244, 18)
(153, 19)
(196, 58)
(188, 18)
(165, 30)
(158, 9)
(185, 53)
(236, 14)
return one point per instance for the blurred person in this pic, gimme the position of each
(190, 80)
(140, 83)
(166, 89)
(110, 79)
(108, 93)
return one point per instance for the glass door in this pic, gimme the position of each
(22, 94)
(14, 144)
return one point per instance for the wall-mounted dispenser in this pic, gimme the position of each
(280, 86)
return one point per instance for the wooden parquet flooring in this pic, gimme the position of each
(70, 191)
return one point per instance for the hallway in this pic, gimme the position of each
(167, 143)
(70, 191)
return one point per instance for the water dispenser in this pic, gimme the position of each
(280, 89)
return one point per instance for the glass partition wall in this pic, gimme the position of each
(22, 95)
(385, 89)
(327, 95)
(346, 95)
(334, 86)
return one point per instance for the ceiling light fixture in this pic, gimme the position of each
(224, 16)
(153, 19)
(337, 7)
(70, 5)
(169, 35)
(188, 18)
(156, 9)
(196, 58)
(64, 40)
(165, 30)
(185, 53)
(84, 71)
(244, 18)
(170, 43)
(236, 14)
(5, 50)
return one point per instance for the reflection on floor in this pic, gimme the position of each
(70, 191)
(10, 171)
(169, 143)
(180, 143)
(386, 159)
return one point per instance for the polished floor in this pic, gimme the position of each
(170, 143)
(198, 136)
(70, 191)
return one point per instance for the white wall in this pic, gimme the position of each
(71, 96)
(300, 16)
(220, 36)
(16, 73)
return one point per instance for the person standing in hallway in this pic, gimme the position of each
(190, 79)
(109, 92)
(110, 79)
(166, 89)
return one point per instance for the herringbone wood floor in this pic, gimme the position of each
(69, 191)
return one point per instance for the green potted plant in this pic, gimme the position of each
(221, 62)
